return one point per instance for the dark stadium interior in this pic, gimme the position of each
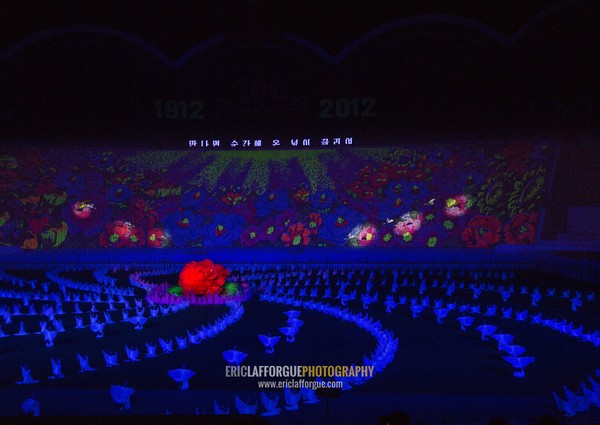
(415, 186)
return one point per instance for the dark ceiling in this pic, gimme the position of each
(111, 70)
(176, 26)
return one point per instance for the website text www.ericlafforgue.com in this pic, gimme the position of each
(293, 377)
(298, 384)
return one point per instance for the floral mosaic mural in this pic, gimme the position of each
(462, 195)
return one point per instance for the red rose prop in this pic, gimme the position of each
(203, 277)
